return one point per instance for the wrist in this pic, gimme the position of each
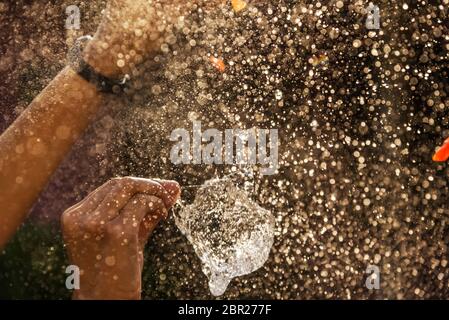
(109, 294)
(100, 57)
(96, 65)
(101, 287)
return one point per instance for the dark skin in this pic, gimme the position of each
(105, 233)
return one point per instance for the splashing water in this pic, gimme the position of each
(230, 233)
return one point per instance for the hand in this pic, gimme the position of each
(130, 31)
(105, 234)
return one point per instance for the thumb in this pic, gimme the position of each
(173, 189)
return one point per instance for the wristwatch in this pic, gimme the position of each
(87, 72)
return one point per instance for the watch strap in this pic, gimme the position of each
(88, 73)
(103, 84)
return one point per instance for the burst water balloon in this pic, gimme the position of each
(231, 234)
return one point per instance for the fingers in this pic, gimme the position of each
(140, 216)
(106, 203)
(125, 188)
(94, 198)
(145, 211)
(71, 219)
(172, 188)
(138, 208)
(153, 217)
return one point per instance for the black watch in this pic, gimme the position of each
(82, 68)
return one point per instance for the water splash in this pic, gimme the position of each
(230, 233)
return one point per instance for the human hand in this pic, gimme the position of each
(130, 31)
(105, 234)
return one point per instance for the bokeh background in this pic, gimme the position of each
(358, 128)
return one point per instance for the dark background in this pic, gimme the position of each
(326, 235)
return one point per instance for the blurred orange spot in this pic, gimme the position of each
(442, 153)
(218, 64)
(238, 5)
(318, 59)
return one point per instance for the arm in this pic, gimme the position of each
(34, 145)
(32, 148)
(105, 235)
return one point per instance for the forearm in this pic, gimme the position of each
(34, 145)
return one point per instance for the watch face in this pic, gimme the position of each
(74, 54)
